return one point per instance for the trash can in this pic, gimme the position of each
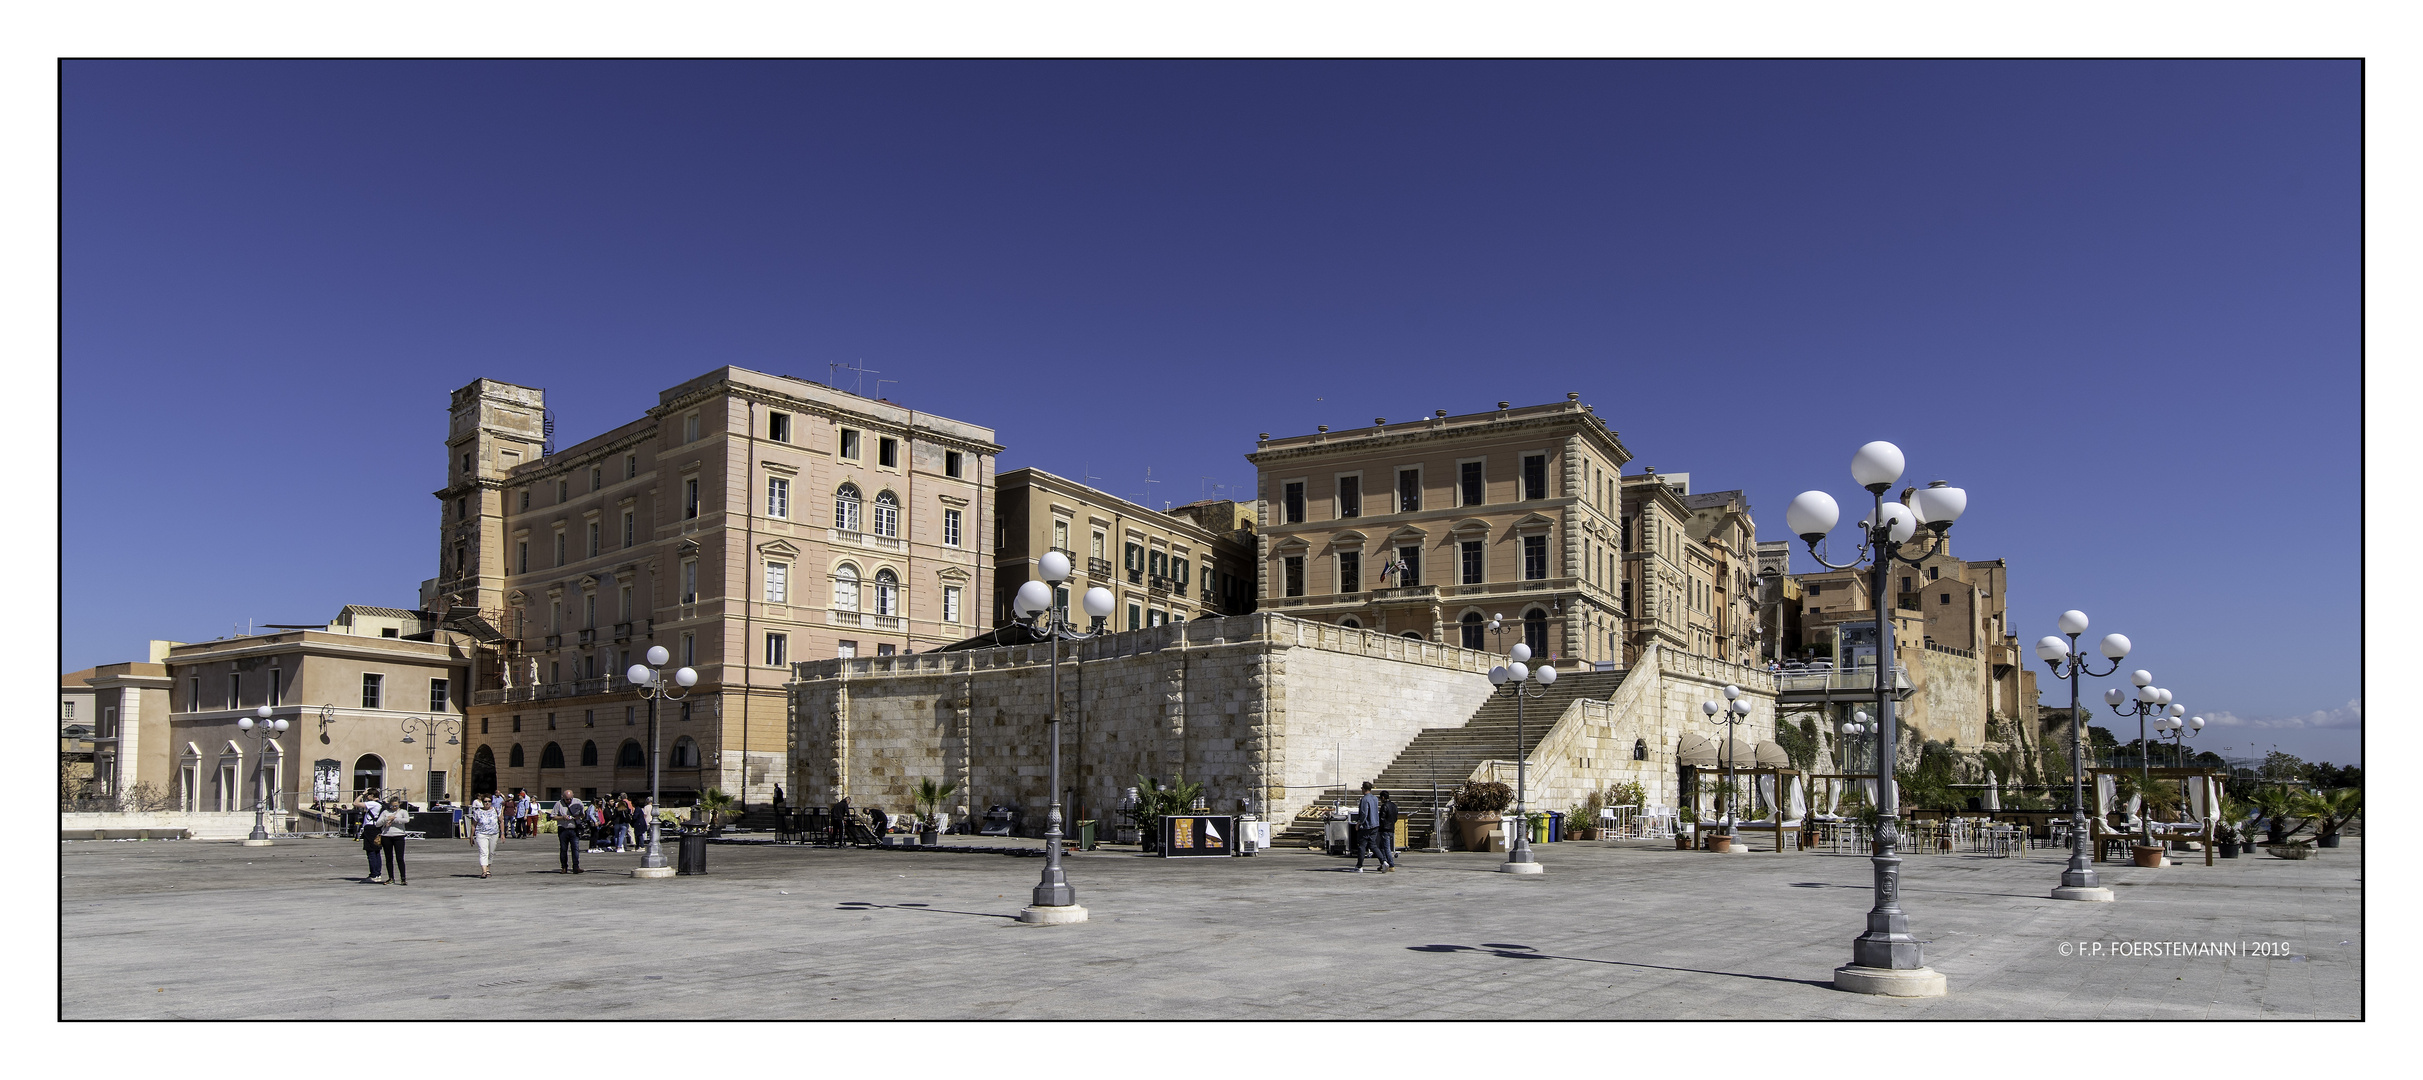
(1085, 836)
(1556, 826)
(693, 858)
(1337, 836)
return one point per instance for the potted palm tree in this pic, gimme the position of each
(1154, 802)
(929, 796)
(715, 804)
(2331, 811)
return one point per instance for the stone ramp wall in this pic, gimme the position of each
(1590, 747)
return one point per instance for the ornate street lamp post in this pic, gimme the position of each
(1728, 717)
(2180, 732)
(2068, 664)
(1885, 959)
(265, 733)
(429, 727)
(1528, 683)
(1055, 902)
(651, 678)
(2151, 700)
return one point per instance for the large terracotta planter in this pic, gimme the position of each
(2146, 855)
(1472, 828)
(1720, 843)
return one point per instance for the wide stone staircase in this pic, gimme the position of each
(1451, 753)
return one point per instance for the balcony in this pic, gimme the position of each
(589, 636)
(1135, 577)
(1161, 585)
(622, 631)
(1099, 569)
(590, 687)
(555, 641)
(1821, 686)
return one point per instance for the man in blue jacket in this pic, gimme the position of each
(1367, 815)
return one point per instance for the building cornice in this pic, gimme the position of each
(1563, 418)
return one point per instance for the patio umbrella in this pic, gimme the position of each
(1993, 793)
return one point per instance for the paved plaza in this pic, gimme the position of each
(183, 929)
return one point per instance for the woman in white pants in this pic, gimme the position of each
(483, 830)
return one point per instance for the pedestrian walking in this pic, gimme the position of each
(571, 820)
(527, 813)
(483, 830)
(393, 827)
(1386, 840)
(370, 833)
(1367, 817)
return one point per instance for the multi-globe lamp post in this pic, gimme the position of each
(2154, 701)
(652, 680)
(2078, 878)
(1885, 959)
(1055, 902)
(428, 727)
(1728, 716)
(1529, 682)
(2180, 732)
(1858, 726)
(265, 732)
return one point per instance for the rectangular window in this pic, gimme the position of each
(950, 528)
(277, 678)
(778, 426)
(1409, 490)
(1947, 598)
(1135, 617)
(462, 508)
(1060, 535)
(689, 650)
(1098, 544)
(689, 581)
(1535, 476)
(593, 548)
(1135, 564)
(560, 550)
(849, 444)
(1294, 567)
(235, 691)
(689, 497)
(521, 556)
(597, 477)
(1177, 571)
(778, 583)
(193, 694)
(1350, 571)
(437, 695)
(1060, 602)
(1350, 496)
(1294, 502)
(371, 684)
(1535, 558)
(1159, 563)
(689, 428)
(588, 611)
(887, 453)
(1409, 559)
(525, 499)
(1469, 553)
(1468, 483)
(466, 463)
(625, 595)
(951, 466)
(555, 616)
(847, 650)
(630, 466)
(950, 603)
(778, 649)
(563, 491)
(778, 497)
(630, 528)
(67, 710)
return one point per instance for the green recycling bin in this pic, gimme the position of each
(1085, 836)
(1539, 828)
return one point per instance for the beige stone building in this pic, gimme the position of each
(744, 522)
(1176, 566)
(1720, 522)
(1430, 528)
(1668, 577)
(346, 691)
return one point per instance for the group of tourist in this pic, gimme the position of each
(613, 824)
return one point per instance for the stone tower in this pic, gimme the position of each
(494, 428)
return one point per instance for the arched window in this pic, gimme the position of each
(685, 753)
(1640, 749)
(1351, 623)
(551, 756)
(1535, 631)
(845, 508)
(1472, 628)
(887, 514)
(845, 587)
(369, 773)
(513, 757)
(1414, 634)
(589, 753)
(887, 593)
(630, 756)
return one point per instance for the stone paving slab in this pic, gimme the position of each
(1626, 931)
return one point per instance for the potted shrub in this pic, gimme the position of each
(2331, 812)
(1479, 806)
(1689, 819)
(929, 796)
(715, 804)
(2282, 817)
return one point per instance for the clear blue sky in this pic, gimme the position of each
(2119, 302)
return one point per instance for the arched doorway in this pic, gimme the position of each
(1535, 632)
(483, 771)
(369, 774)
(1472, 628)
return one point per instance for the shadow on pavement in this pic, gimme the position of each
(861, 905)
(1526, 952)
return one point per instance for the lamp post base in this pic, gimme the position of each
(1890, 982)
(1056, 915)
(1521, 868)
(652, 872)
(255, 843)
(2090, 893)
